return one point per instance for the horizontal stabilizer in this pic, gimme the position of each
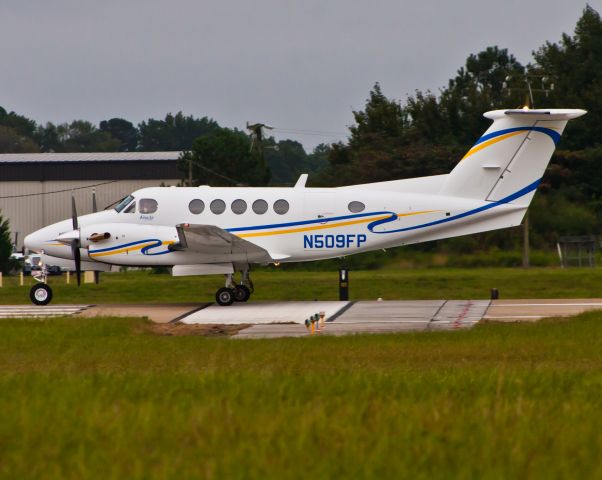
(532, 114)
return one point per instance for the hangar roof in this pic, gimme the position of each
(89, 166)
(88, 157)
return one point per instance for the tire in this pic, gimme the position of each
(224, 296)
(40, 294)
(241, 293)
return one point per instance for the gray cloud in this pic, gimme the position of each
(295, 65)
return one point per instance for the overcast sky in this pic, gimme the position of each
(300, 65)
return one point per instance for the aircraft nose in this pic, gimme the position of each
(33, 241)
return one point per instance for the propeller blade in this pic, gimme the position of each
(94, 207)
(78, 261)
(74, 213)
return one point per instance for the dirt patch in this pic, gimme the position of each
(179, 329)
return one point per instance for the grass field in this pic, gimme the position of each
(105, 398)
(276, 284)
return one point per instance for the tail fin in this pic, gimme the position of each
(508, 161)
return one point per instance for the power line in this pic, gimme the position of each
(58, 191)
(319, 133)
(235, 182)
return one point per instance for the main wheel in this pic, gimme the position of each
(225, 296)
(241, 293)
(40, 294)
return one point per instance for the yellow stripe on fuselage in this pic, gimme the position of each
(488, 143)
(331, 225)
(132, 248)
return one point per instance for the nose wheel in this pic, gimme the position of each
(40, 294)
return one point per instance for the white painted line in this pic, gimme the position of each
(35, 311)
(493, 317)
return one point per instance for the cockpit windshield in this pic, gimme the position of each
(124, 203)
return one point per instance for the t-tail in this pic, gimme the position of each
(506, 164)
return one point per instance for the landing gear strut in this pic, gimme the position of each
(235, 293)
(41, 293)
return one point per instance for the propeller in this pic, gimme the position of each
(75, 243)
(105, 236)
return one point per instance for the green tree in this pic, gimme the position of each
(47, 137)
(386, 143)
(77, 136)
(287, 160)
(317, 160)
(456, 116)
(574, 65)
(223, 158)
(175, 132)
(123, 131)
(13, 142)
(22, 125)
(6, 247)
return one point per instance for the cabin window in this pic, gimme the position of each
(260, 206)
(123, 203)
(356, 207)
(196, 206)
(239, 206)
(147, 205)
(281, 206)
(218, 206)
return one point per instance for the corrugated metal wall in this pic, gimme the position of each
(30, 206)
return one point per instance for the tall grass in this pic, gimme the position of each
(103, 398)
(276, 284)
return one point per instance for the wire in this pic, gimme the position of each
(58, 191)
(320, 133)
(235, 182)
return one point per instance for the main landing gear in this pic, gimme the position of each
(235, 293)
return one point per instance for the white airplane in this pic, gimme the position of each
(206, 230)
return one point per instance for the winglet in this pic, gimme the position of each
(302, 181)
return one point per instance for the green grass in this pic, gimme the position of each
(104, 398)
(276, 284)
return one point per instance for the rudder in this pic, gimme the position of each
(507, 162)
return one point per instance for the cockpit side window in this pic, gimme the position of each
(131, 208)
(147, 205)
(124, 203)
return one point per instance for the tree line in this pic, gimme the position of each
(227, 151)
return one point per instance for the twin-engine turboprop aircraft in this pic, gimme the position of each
(205, 230)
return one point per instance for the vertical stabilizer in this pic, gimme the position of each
(508, 161)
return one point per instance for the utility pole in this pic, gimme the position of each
(526, 240)
(257, 136)
(546, 87)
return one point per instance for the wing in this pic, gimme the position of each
(212, 240)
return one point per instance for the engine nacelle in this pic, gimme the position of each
(129, 244)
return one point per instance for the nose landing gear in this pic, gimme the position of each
(235, 293)
(41, 293)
